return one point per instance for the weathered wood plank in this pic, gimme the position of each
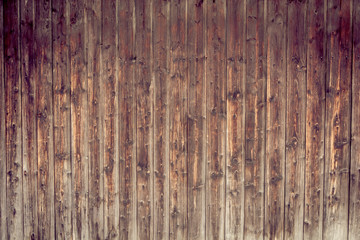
(235, 141)
(338, 116)
(255, 102)
(96, 159)
(177, 99)
(14, 193)
(62, 120)
(44, 123)
(110, 101)
(161, 118)
(28, 120)
(354, 203)
(215, 118)
(144, 119)
(295, 120)
(315, 120)
(127, 120)
(196, 119)
(79, 123)
(276, 14)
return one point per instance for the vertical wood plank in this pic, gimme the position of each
(144, 119)
(109, 83)
(177, 92)
(255, 120)
(295, 120)
(315, 119)
(354, 203)
(127, 120)
(79, 123)
(338, 116)
(96, 159)
(44, 123)
(196, 119)
(235, 70)
(161, 119)
(276, 13)
(14, 194)
(62, 120)
(216, 118)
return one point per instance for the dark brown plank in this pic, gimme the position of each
(44, 123)
(144, 119)
(215, 118)
(235, 70)
(196, 119)
(62, 120)
(295, 120)
(177, 99)
(255, 102)
(79, 123)
(354, 203)
(29, 149)
(315, 120)
(14, 193)
(127, 120)
(276, 14)
(338, 116)
(161, 118)
(109, 105)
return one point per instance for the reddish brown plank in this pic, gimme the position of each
(14, 193)
(235, 70)
(144, 119)
(28, 120)
(295, 120)
(338, 116)
(44, 123)
(276, 14)
(215, 118)
(177, 100)
(196, 119)
(127, 120)
(255, 102)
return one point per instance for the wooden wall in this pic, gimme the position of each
(180, 119)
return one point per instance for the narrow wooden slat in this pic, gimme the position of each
(44, 121)
(215, 118)
(338, 116)
(161, 119)
(177, 100)
(144, 119)
(235, 54)
(28, 120)
(295, 120)
(109, 98)
(14, 194)
(315, 120)
(196, 119)
(354, 203)
(79, 123)
(255, 102)
(127, 120)
(276, 14)
(62, 121)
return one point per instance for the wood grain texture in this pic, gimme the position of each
(338, 117)
(354, 201)
(196, 119)
(177, 100)
(276, 14)
(215, 118)
(255, 110)
(295, 120)
(235, 155)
